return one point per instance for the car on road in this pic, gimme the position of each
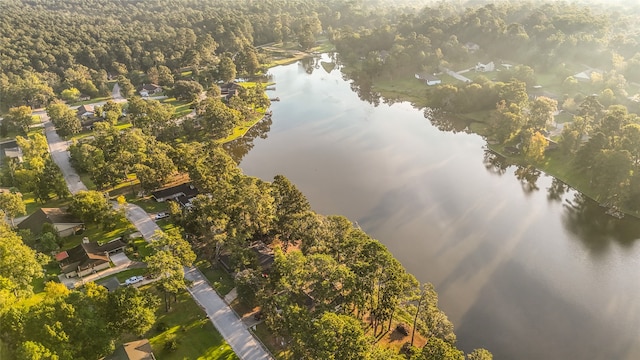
(161, 215)
(134, 279)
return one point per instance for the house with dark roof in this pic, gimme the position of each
(135, 350)
(229, 88)
(149, 89)
(86, 111)
(182, 193)
(64, 223)
(264, 256)
(428, 79)
(88, 257)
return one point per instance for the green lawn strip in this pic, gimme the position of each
(166, 224)
(407, 88)
(181, 107)
(4, 351)
(138, 249)
(32, 205)
(124, 275)
(148, 204)
(86, 180)
(240, 130)
(218, 277)
(96, 233)
(194, 333)
(269, 340)
(91, 101)
(323, 47)
(51, 272)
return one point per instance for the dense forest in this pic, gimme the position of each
(332, 289)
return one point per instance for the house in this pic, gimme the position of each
(485, 67)
(86, 111)
(135, 350)
(383, 55)
(587, 75)
(182, 193)
(149, 89)
(88, 257)
(88, 123)
(471, 47)
(14, 153)
(228, 88)
(264, 256)
(63, 222)
(428, 79)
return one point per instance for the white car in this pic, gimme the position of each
(133, 280)
(161, 215)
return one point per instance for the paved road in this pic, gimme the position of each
(224, 319)
(233, 330)
(60, 154)
(142, 221)
(457, 76)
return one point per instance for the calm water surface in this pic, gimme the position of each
(522, 270)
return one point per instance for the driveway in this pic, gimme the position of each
(457, 76)
(233, 330)
(120, 259)
(60, 154)
(142, 221)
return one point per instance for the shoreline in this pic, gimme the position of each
(545, 171)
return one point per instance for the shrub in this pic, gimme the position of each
(161, 326)
(403, 329)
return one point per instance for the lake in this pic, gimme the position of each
(523, 266)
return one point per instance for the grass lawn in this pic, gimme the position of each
(181, 107)
(52, 270)
(147, 203)
(4, 352)
(142, 249)
(195, 335)
(166, 224)
(124, 275)
(91, 101)
(32, 205)
(270, 342)
(407, 88)
(86, 180)
(95, 233)
(218, 277)
(240, 130)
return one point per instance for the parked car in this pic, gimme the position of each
(133, 280)
(161, 215)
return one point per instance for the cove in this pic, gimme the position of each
(523, 266)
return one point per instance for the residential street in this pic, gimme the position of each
(224, 319)
(142, 221)
(58, 148)
(233, 330)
